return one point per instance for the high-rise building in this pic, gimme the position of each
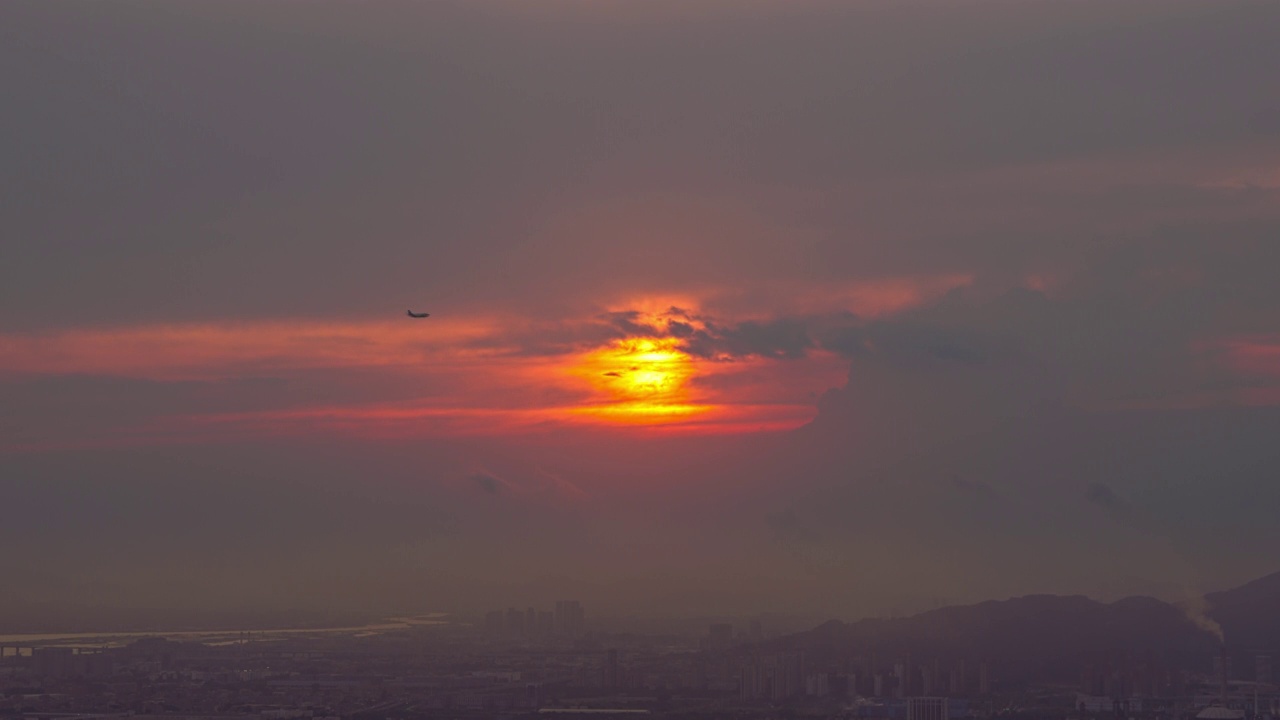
(53, 662)
(493, 622)
(773, 677)
(720, 636)
(927, 708)
(611, 673)
(570, 618)
(927, 675)
(1090, 681)
(795, 672)
(546, 623)
(751, 681)
(817, 685)
(530, 622)
(515, 622)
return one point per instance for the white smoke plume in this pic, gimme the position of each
(1196, 608)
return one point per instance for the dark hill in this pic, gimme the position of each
(1040, 636)
(1250, 614)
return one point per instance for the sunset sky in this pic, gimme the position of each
(826, 307)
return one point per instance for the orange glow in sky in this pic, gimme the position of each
(437, 378)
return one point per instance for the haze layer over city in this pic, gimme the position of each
(521, 323)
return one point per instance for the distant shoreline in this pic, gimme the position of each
(116, 638)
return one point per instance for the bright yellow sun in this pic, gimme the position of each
(642, 380)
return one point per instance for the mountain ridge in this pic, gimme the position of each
(1052, 636)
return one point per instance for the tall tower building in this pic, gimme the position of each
(612, 679)
(493, 622)
(570, 618)
(515, 622)
(720, 636)
(1262, 669)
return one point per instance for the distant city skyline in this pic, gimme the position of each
(1038, 658)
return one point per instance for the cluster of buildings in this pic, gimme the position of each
(867, 677)
(1116, 680)
(1125, 686)
(567, 620)
(785, 675)
(904, 678)
(470, 672)
(778, 677)
(723, 635)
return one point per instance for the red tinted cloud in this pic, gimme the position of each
(626, 370)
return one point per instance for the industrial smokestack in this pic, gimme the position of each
(1224, 675)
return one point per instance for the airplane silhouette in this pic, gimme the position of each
(413, 314)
